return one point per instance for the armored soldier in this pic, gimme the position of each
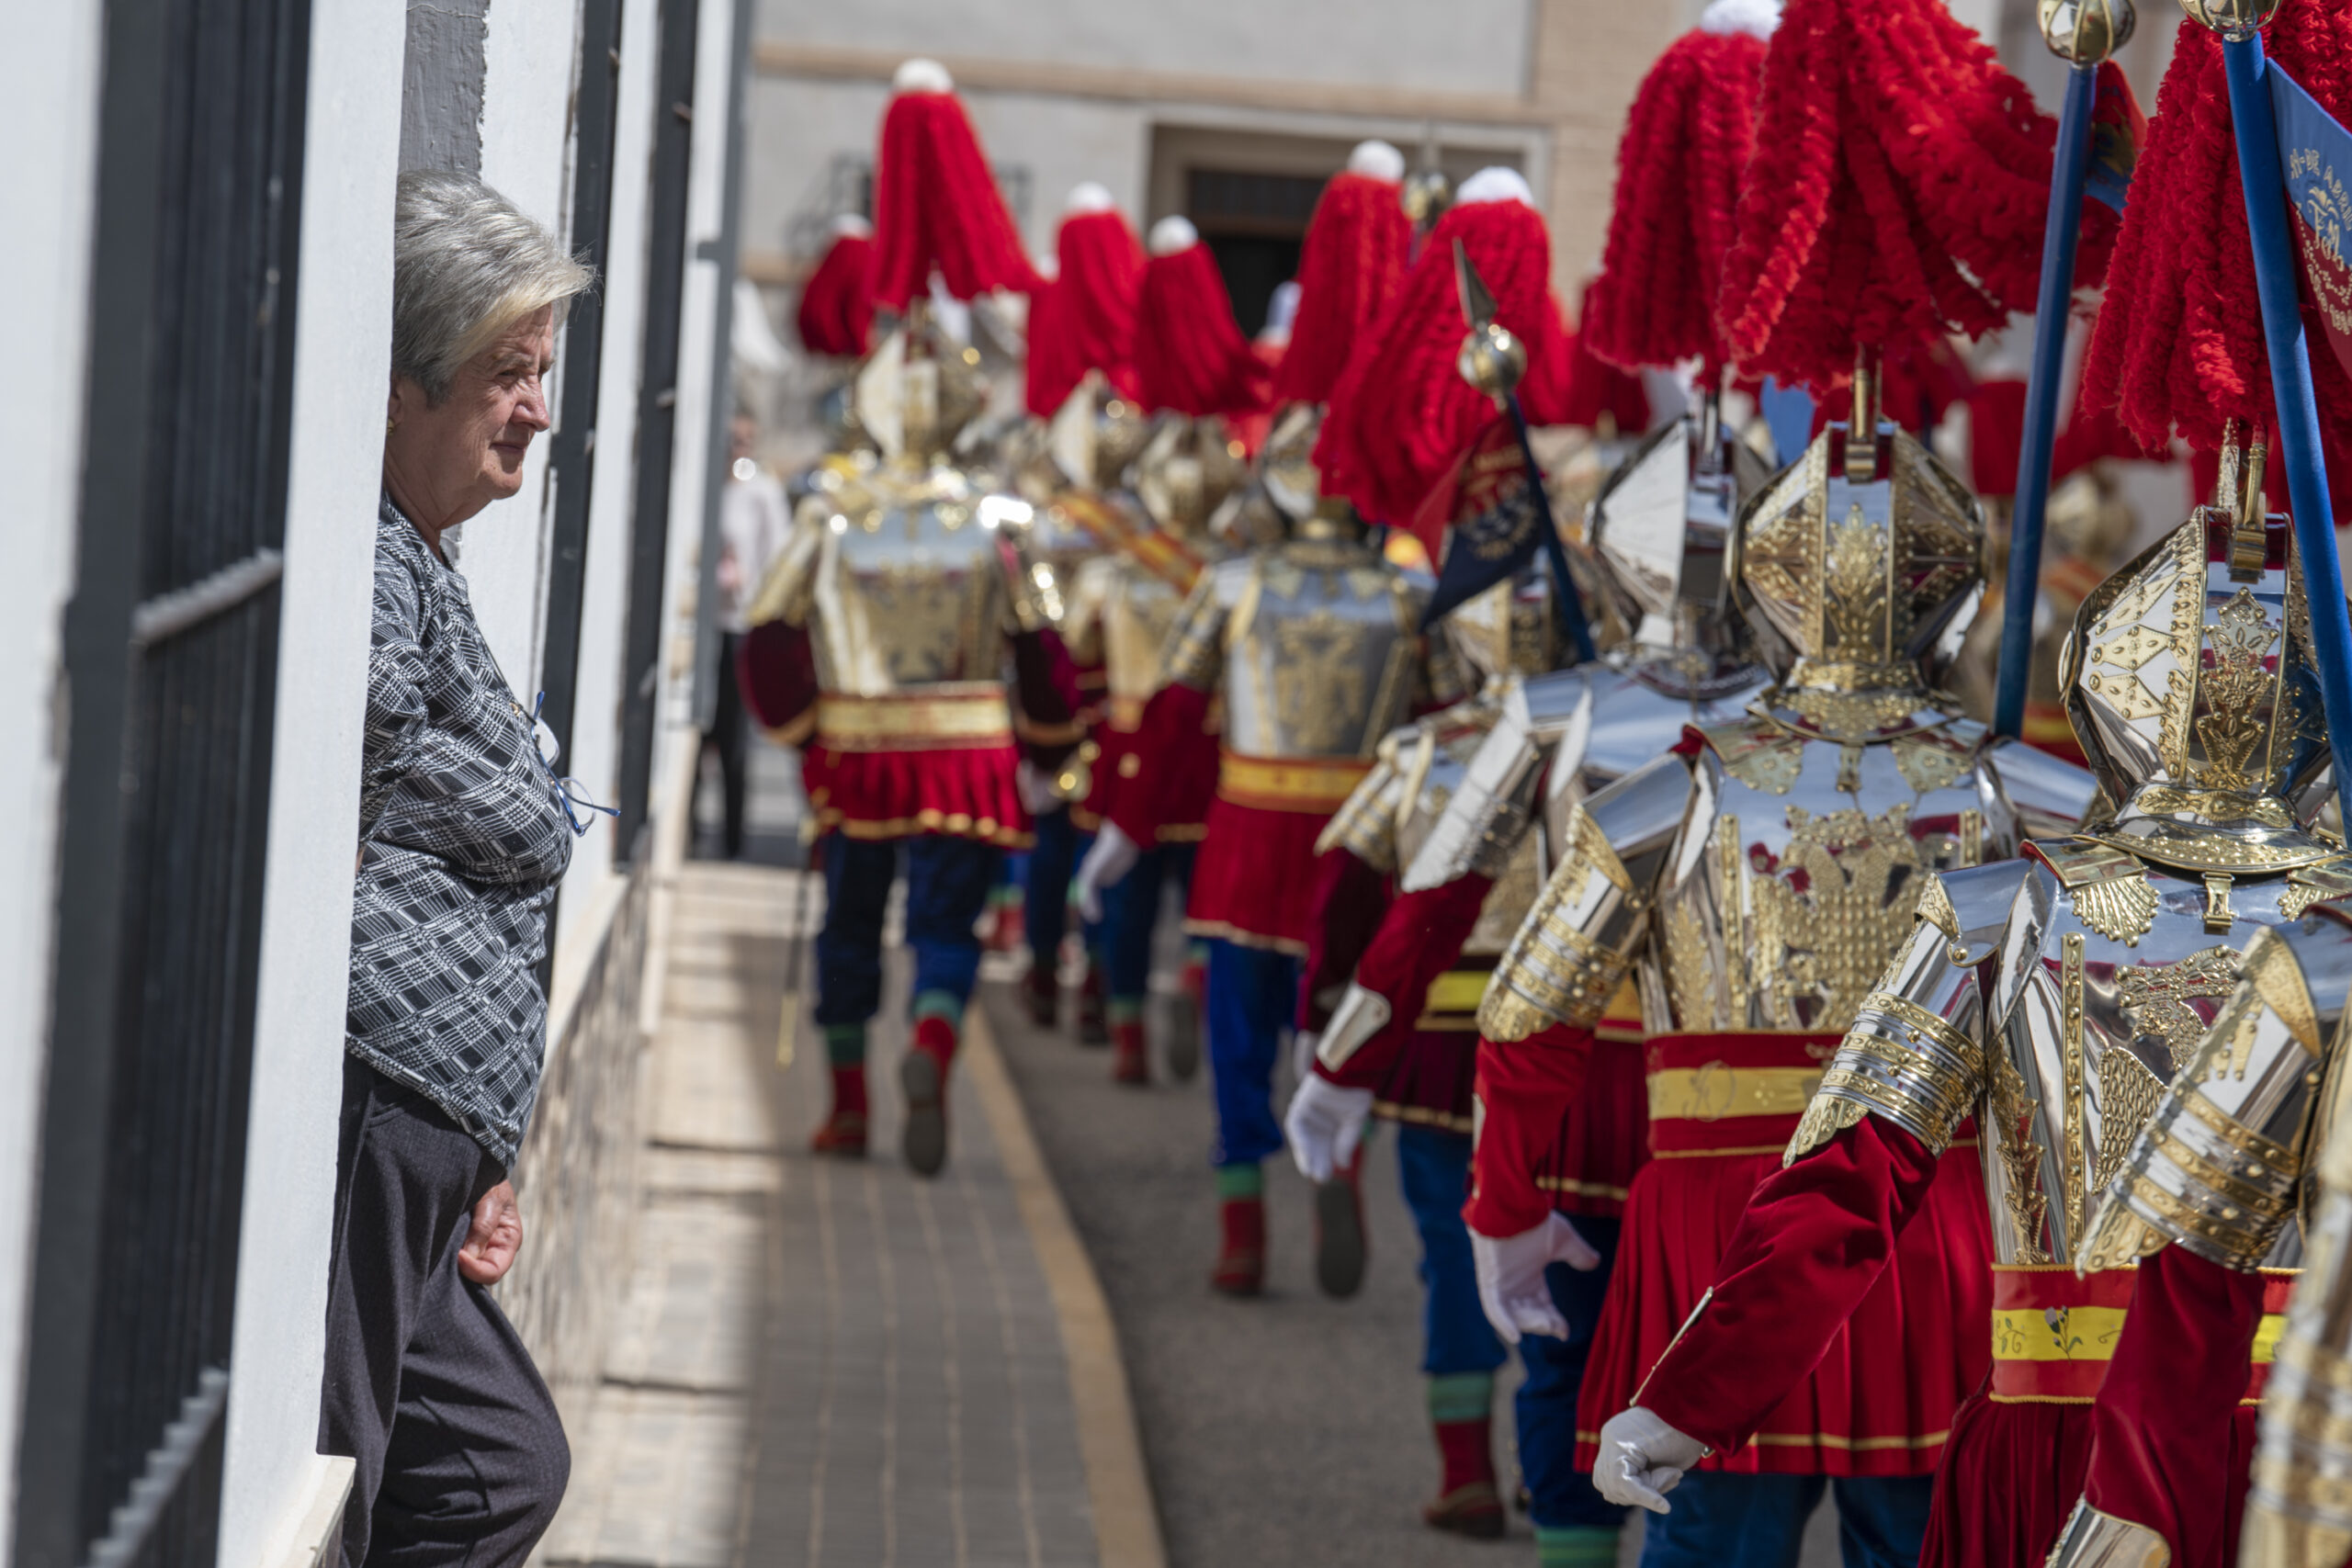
(1754, 882)
(2051, 999)
(1313, 646)
(1456, 810)
(1117, 614)
(884, 635)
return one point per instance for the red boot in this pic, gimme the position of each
(1241, 1257)
(1467, 1503)
(1042, 989)
(1093, 1026)
(1130, 1063)
(842, 1132)
(1341, 1246)
(1185, 1011)
(922, 1076)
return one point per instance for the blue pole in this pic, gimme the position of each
(1563, 584)
(2069, 165)
(2291, 386)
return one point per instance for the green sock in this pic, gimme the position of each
(1125, 1010)
(939, 1004)
(1244, 1180)
(845, 1044)
(1461, 1396)
(1581, 1545)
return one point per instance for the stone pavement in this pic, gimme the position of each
(820, 1362)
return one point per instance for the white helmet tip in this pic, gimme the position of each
(1088, 195)
(1756, 18)
(1173, 234)
(921, 75)
(849, 225)
(1495, 183)
(1377, 160)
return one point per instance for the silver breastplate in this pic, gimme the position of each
(1321, 652)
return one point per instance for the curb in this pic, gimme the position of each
(1126, 1518)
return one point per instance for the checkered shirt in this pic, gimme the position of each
(462, 841)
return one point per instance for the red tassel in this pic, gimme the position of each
(1686, 145)
(1402, 415)
(837, 302)
(2177, 346)
(1189, 355)
(1897, 192)
(1348, 267)
(1085, 319)
(936, 205)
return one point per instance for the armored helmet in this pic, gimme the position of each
(1851, 566)
(2191, 684)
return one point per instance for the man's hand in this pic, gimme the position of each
(1642, 1458)
(1510, 1276)
(1107, 866)
(1325, 1126)
(496, 1238)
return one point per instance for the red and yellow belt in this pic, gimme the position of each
(2055, 1332)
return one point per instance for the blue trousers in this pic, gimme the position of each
(1131, 914)
(1434, 1168)
(1758, 1521)
(1045, 904)
(1253, 995)
(947, 885)
(1563, 1496)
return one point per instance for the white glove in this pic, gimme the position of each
(1642, 1458)
(1510, 1276)
(1106, 864)
(1037, 787)
(1325, 1124)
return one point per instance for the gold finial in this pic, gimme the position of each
(2235, 20)
(2084, 32)
(1861, 420)
(1492, 359)
(1427, 192)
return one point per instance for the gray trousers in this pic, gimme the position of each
(461, 1457)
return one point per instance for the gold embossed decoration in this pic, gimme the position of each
(2021, 1156)
(1821, 950)
(1856, 580)
(1759, 754)
(1320, 714)
(1930, 761)
(2235, 717)
(2128, 1093)
(2121, 908)
(2156, 998)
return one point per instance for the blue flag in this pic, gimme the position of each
(1484, 522)
(2316, 156)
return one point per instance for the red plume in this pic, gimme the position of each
(1402, 415)
(1353, 255)
(1085, 319)
(935, 203)
(1579, 387)
(1679, 171)
(2178, 345)
(837, 302)
(1189, 355)
(1897, 192)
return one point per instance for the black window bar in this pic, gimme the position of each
(171, 656)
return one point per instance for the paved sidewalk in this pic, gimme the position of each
(822, 1362)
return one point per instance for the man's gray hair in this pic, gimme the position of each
(467, 264)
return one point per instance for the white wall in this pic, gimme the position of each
(596, 742)
(49, 99)
(341, 364)
(1465, 46)
(529, 57)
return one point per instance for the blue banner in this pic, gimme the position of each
(2316, 156)
(1484, 521)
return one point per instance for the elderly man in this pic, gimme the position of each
(462, 840)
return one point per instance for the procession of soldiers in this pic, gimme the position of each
(1856, 968)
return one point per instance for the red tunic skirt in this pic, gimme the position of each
(1880, 1402)
(938, 759)
(1254, 881)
